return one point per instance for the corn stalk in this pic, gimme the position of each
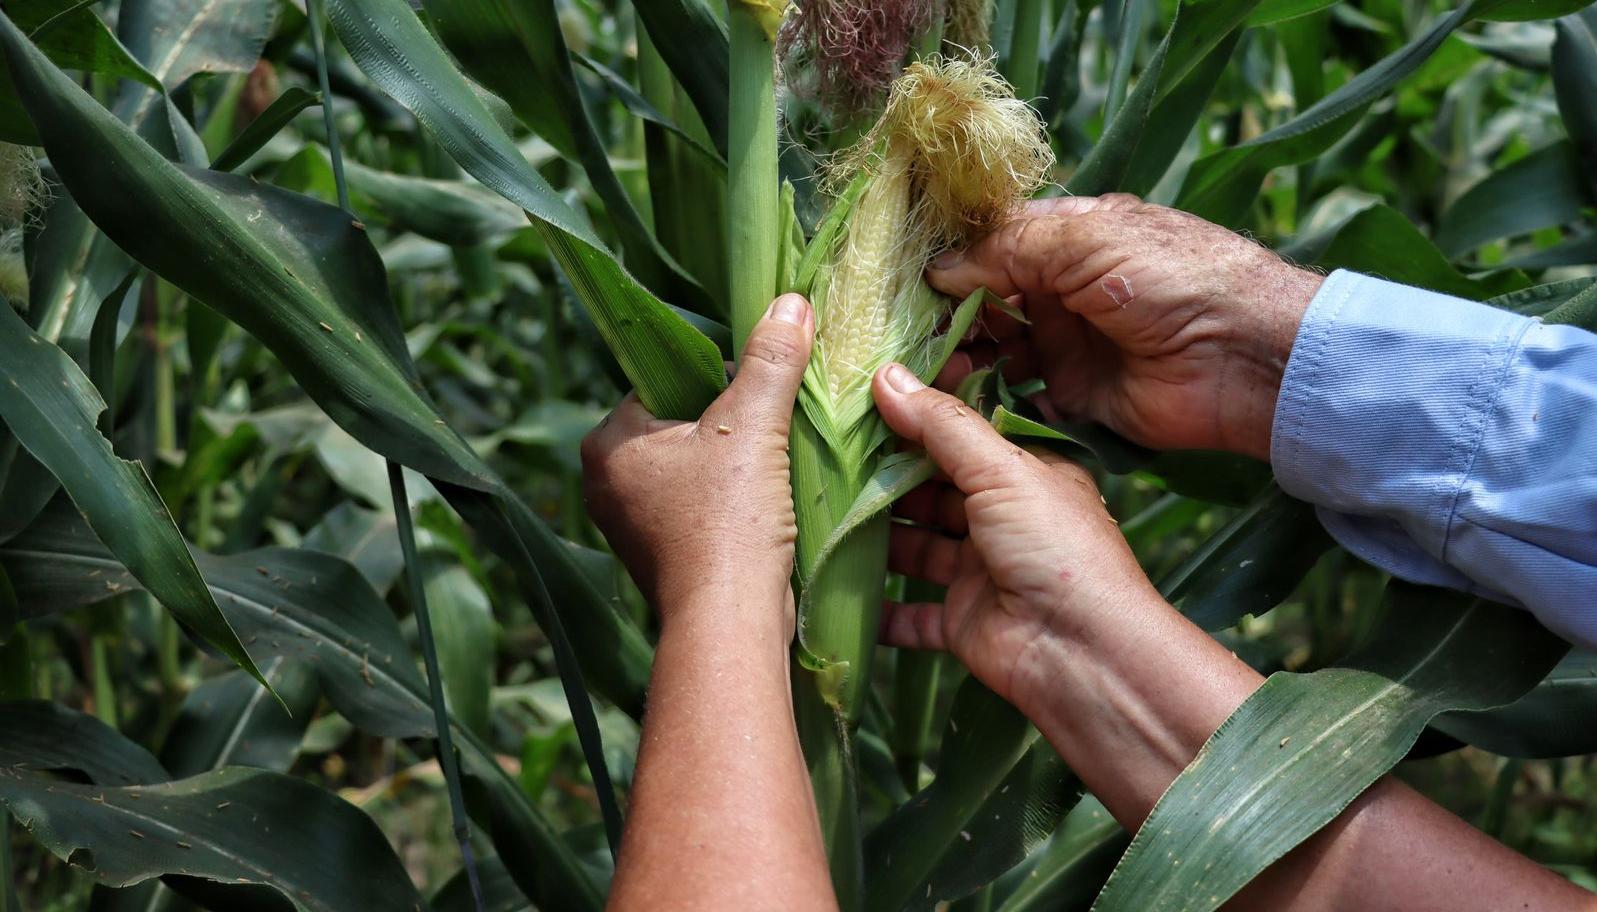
(951, 155)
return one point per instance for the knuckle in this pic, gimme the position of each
(778, 349)
(594, 449)
(946, 409)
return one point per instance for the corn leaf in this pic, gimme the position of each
(178, 38)
(1543, 189)
(74, 37)
(448, 211)
(1106, 168)
(234, 826)
(1250, 565)
(1175, 115)
(51, 408)
(1558, 718)
(1381, 241)
(517, 50)
(321, 851)
(1199, 28)
(228, 721)
(1575, 85)
(316, 610)
(676, 369)
(640, 108)
(985, 739)
(1303, 746)
(1069, 871)
(693, 42)
(44, 737)
(499, 893)
(266, 125)
(1017, 817)
(1221, 186)
(304, 279)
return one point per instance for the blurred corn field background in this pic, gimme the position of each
(309, 307)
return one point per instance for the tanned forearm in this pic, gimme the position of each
(722, 815)
(1152, 709)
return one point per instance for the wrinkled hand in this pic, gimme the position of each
(1033, 562)
(691, 505)
(1171, 330)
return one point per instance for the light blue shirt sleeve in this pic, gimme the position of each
(1448, 443)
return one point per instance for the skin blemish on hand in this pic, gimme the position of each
(1065, 575)
(1117, 287)
(722, 429)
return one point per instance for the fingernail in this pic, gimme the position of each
(902, 379)
(789, 308)
(949, 259)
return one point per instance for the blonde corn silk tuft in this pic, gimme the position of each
(952, 155)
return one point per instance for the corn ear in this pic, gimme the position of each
(951, 156)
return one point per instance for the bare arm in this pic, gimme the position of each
(1392, 849)
(722, 816)
(1047, 606)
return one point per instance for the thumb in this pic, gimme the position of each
(772, 367)
(955, 435)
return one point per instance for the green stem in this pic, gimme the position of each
(165, 389)
(104, 685)
(16, 673)
(752, 184)
(1025, 48)
(842, 605)
(435, 679)
(168, 656)
(1495, 816)
(915, 677)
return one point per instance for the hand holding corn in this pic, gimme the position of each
(691, 505)
(1171, 330)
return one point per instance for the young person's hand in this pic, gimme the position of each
(1171, 330)
(694, 505)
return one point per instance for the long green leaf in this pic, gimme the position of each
(985, 739)
(1200, 27)
(676, 369)
(693, 42)
(1221, 186)
(518, 50)
(1073, 866)
(232, 826)
(266, 125)
(304, 279)
(316, 610)
(44, 737)
(1022, 812)
(1556, 719)
(1250, 565)
(1381, 241)
(1106, 168)
(51, 407)
(228, 721)
(73, 36)
(1303, 746)
(1575, 84)
(1543, 189)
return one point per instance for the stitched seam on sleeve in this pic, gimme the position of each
(1484, 393)
(1312, 367)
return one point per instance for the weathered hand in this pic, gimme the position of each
(1171, 330)
(692, 504)
(1033, 562)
